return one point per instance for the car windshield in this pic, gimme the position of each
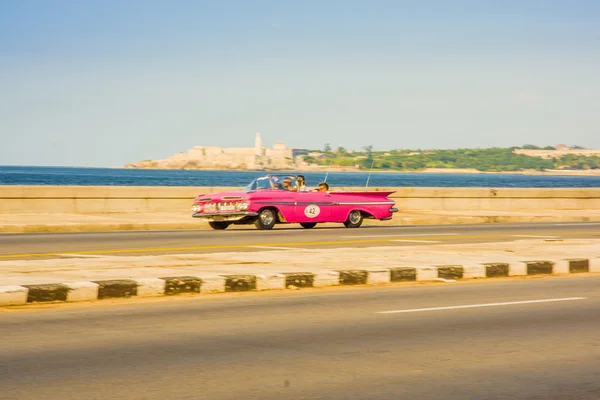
(275, 182)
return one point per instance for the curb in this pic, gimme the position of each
(170, 286)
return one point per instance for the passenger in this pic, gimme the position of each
(323, 187)
(301, 184)
(287, 185)
(275, 183)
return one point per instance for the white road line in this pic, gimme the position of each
(481, 305)
(578, 224)
(537, 236)
(289, 230)
(415, 241)
(79, 255)
(271, 247)
(407, 235)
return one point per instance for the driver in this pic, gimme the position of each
(323, 187)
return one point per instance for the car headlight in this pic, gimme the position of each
(242, 206)
(197, 208)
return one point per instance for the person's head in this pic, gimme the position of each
(323, 187)
(276, 183)
(301, 180)
(287, 182)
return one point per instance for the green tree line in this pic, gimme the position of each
(486, 160)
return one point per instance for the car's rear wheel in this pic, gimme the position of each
(308, 225)
(355, 219)
(219, 225)
(266, 219)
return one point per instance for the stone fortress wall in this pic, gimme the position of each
(556, 153)
(257, 157)
(560, 150)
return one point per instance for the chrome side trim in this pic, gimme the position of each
(325, 203)
(317, 203)
(233, 216)
(364, 203)
(296, 203)
(276, 203)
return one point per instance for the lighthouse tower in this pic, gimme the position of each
(258, 148)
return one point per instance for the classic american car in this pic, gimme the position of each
(266, 202)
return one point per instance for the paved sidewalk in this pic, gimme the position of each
(20, 223)
(77, 278)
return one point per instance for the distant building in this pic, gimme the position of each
(258, 149)
(560, 150)
(257, 157)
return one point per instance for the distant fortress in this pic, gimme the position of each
(560, 150)
(250, 158)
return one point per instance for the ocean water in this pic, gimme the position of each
(10, 175)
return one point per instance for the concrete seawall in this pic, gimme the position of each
(120, 199)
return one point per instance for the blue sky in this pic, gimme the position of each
(104, 83)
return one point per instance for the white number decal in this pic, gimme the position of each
(312, 211)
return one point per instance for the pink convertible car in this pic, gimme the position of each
(265, 202)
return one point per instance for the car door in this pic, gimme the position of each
(313, 206)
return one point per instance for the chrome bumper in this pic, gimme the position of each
(392, 210)
(232, 216)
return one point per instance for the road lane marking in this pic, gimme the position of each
(578, 224)
(80, 255)
(510, 303)
(272, 247)
(409, 235)
(243, 246)
(416, 241)
(537, 236)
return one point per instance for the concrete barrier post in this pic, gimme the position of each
(270, 282)
(150, 287)
(379, 276)
(517, 269)
(474, 271)
(13, 295)
(427, 273)
(595, 264)
(82, 291)
(212, 284)
(326, 278)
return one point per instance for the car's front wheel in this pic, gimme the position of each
(355, 219)
(266, 219)
(308, 225)
(218, 225)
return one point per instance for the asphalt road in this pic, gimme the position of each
(526, 339)
(52, 245)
